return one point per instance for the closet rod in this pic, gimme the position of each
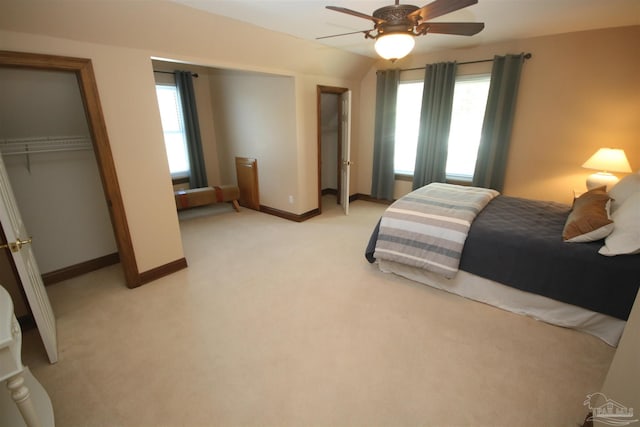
(526, 56)
(173, 72)
(50, 144)
(51, 150)
(47, 144)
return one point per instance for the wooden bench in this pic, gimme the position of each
(194, 197)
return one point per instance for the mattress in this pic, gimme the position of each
(514, 258)
(607, 328)
(518, 242)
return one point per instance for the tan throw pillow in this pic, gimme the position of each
(589, 220)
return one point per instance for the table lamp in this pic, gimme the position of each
(606, 160)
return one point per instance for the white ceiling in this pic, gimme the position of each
(504, 19)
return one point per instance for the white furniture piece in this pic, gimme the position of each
(26, 403)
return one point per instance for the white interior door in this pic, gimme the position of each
(19, 241)
(345, 102)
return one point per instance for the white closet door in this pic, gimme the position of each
(345, 99)
(19, 243)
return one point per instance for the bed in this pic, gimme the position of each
(516, 253)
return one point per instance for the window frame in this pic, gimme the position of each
(182, 176)
(450, 178)
(402, 174)
(485, 77)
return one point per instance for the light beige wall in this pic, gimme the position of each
(121, 38)
(579, 92)
(253, 114)
(364, 158)
(274, 118)
(202, 88)
(37, 103)
(172, 31)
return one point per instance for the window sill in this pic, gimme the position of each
(460, 181)
(403, 177)
(457, 180)
(180, 180)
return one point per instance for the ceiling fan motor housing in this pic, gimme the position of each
(395, 19)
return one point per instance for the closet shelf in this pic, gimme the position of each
(47, 144)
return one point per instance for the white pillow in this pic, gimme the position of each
(625, 238)
(624, 189)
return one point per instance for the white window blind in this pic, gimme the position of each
(175, 139)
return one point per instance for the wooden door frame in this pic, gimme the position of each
(83, 70)
(336, 91)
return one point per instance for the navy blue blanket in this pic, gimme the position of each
(518, 242)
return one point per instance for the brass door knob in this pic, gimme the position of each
(17, 245)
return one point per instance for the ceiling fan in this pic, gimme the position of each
(395, 26)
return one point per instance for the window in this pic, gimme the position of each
(175, 139)
(408, 106)
(469, 102)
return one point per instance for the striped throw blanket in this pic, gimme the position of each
(427, 228)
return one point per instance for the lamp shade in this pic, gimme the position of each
(605, 161)
(608, 160)
(395, 45)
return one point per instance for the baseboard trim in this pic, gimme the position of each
(288, 215)
(79, 269)
(107, 260)
(161, 271)
(309, 214)
(315, 212)
(327, 191)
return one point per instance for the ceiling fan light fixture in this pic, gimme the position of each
(394, 45)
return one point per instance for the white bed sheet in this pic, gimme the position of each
(607, 328)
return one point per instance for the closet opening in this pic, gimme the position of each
(62, 148)
(330, 146)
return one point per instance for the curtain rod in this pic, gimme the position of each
(526, 56)
(173, 72)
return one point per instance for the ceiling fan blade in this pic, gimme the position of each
(355, 13)
(456, 28)
(343, 34)
(439, 8)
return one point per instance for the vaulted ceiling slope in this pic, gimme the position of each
(171, 30)
(504, 19)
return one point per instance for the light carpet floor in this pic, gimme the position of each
(277, 323)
